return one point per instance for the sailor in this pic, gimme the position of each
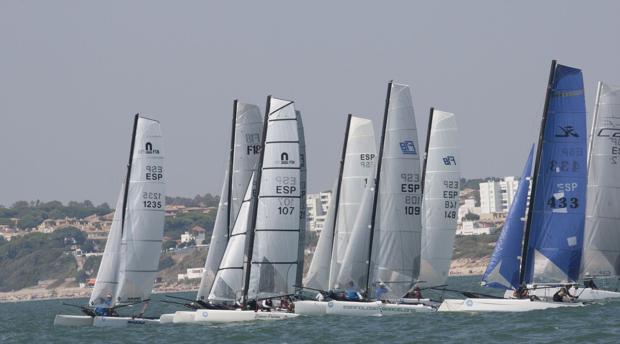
(417, 293)
(380, 292)
(319, 297)
(105, 307)
(563, 295)
(589, 283)
(521, 293)
(267, 305)
(351, 294)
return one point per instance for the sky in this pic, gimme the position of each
(73, 74)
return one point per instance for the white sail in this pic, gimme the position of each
(441, 199)
(228, 282)
(246, 149)
(359, 167)
(355, 261)
(601, 254)
(144, 215)
(318, 272)
(107, 276)
(275, 255)
(397, 226)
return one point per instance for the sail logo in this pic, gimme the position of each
(567, 131)
(609, 132)
(284, 159)
(148, 149)
(449, 160)
(408, 147)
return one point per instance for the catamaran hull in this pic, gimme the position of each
(98, 321)
(204, 316)
(499, 305)
(373, 308)
(73, 320)
(308, 307)
(585, 294)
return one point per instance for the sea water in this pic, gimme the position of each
(32, 322)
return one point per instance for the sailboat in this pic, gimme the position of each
(131, 256)
(244, 152)
(384, 248)
(553, 235)
(601, 245)
(264, 255)
(357, 167)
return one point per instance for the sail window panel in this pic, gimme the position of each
(282, 130)
(396, 269)
(227, 286)
(278, 214)
(137, 286)
(282, 155)
(269, 245)
(280, 183)
(272, 280)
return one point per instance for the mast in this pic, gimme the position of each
(535, 176)
(131, 149)
(428, 139)
(256, 190)
(591, 141)
(378, 175)
(231, 159)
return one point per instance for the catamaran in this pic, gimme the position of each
(131, 256)
(553, 235)
(601, 245)
(244, 151)
(357, 167)
(263, 259)
(384, 247)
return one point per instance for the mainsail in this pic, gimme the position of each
(554, 238)
(503, 269)
(358, 168)
(441, 198)
(244, 152)
(279, 214)
(143, 222)
(601, 254)
(397, 229)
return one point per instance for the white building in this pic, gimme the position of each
(497, 196)
(193, 273)
(474, 228)
(316, 210)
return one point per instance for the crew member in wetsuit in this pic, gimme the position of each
(380, 292)
(563, 295)
(351, 294)
(105, 308)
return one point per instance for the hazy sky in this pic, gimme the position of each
(73, 73)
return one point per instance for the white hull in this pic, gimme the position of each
(73, 320)
(307, 307)
(585, 294)
(373, 308)
(203, 316)
(499, 305)
(98, 321)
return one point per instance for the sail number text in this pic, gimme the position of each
(152, 200)
(410, 182)
(154, 172)
(286, 185)
(367, 160)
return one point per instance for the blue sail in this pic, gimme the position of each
(503, 269)
(558, 212)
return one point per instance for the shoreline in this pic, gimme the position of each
(459, 267)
